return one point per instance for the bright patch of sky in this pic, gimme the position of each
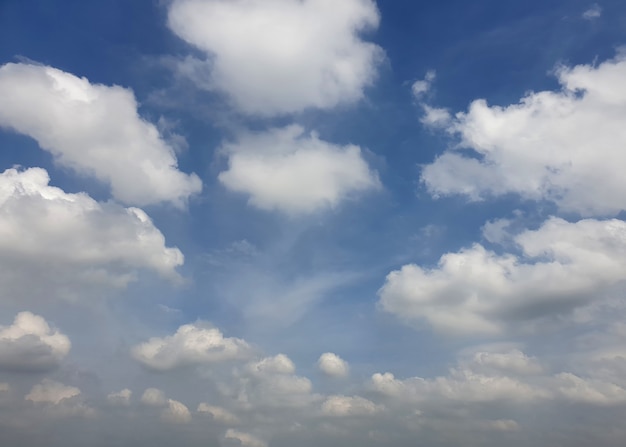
(268, 223)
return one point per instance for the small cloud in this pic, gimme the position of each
(422, 87)
(593, 12)
(332, 365)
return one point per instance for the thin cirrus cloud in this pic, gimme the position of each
(274, 57)
(295, 173)
(74, 241)
(95, 130)
(563, 266)
(563, 146)
(31, 345)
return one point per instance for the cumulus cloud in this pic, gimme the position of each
(422, 86)
(95, 130)
(342, 406)
(280, 56)
(290, 171)
(461, 385)
(272, 383)
(176, 412)
(49, 391)
(29, 344)
(218, 414)
(120, 398)
(243, 439)
(58, 399)
(510, 361)
(332, 365)
(563, 266)
(70, 239)
(153, 397)
(191, 345)
(589, 391)
(563, 146)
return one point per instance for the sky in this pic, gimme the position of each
(268, 223)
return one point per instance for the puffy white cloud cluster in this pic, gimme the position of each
(342, 406)
(332, 365)
(275, 57)
(286, 170)
(272, 383)
(563, 146)
(120, 398)
(68, 240)
(59, 399)
(191, 345)
(95, 130)
(218, 414)
(172, 411)
(30, 344)
(244, 439)
(563, 266)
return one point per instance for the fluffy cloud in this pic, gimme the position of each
(563, 266)
(95, 130)
(272, 383)
(281, 56)
(191, 345)
(342, 406)
(564, 146)
(29, 344)
(176, 412)
(332, 365)
(462, 385)
(59, 400)
(243, 439)
(70, 239)
(120, 398)
(286, 170)
(51, 392)
(153, 397)
(218, 414)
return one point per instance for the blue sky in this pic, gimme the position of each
(263, 223)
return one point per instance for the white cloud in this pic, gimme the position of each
(279, 364)
(176, 413)
(511, 361)
(153, 397)
(120, 398)
(95, 130)
(589, 391)
(29, 344)
(342, 406)
(594, 12)
(280, 56)
(51, 392)
(4, 387)
(218, 414)
(564, 266)
(461, 385)
(286, 170)
(564, 146)
(49, 237)
(332, 365)
(271, 383)
(191, 345)
(244, 439)
(422, 86)
(59, 400)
